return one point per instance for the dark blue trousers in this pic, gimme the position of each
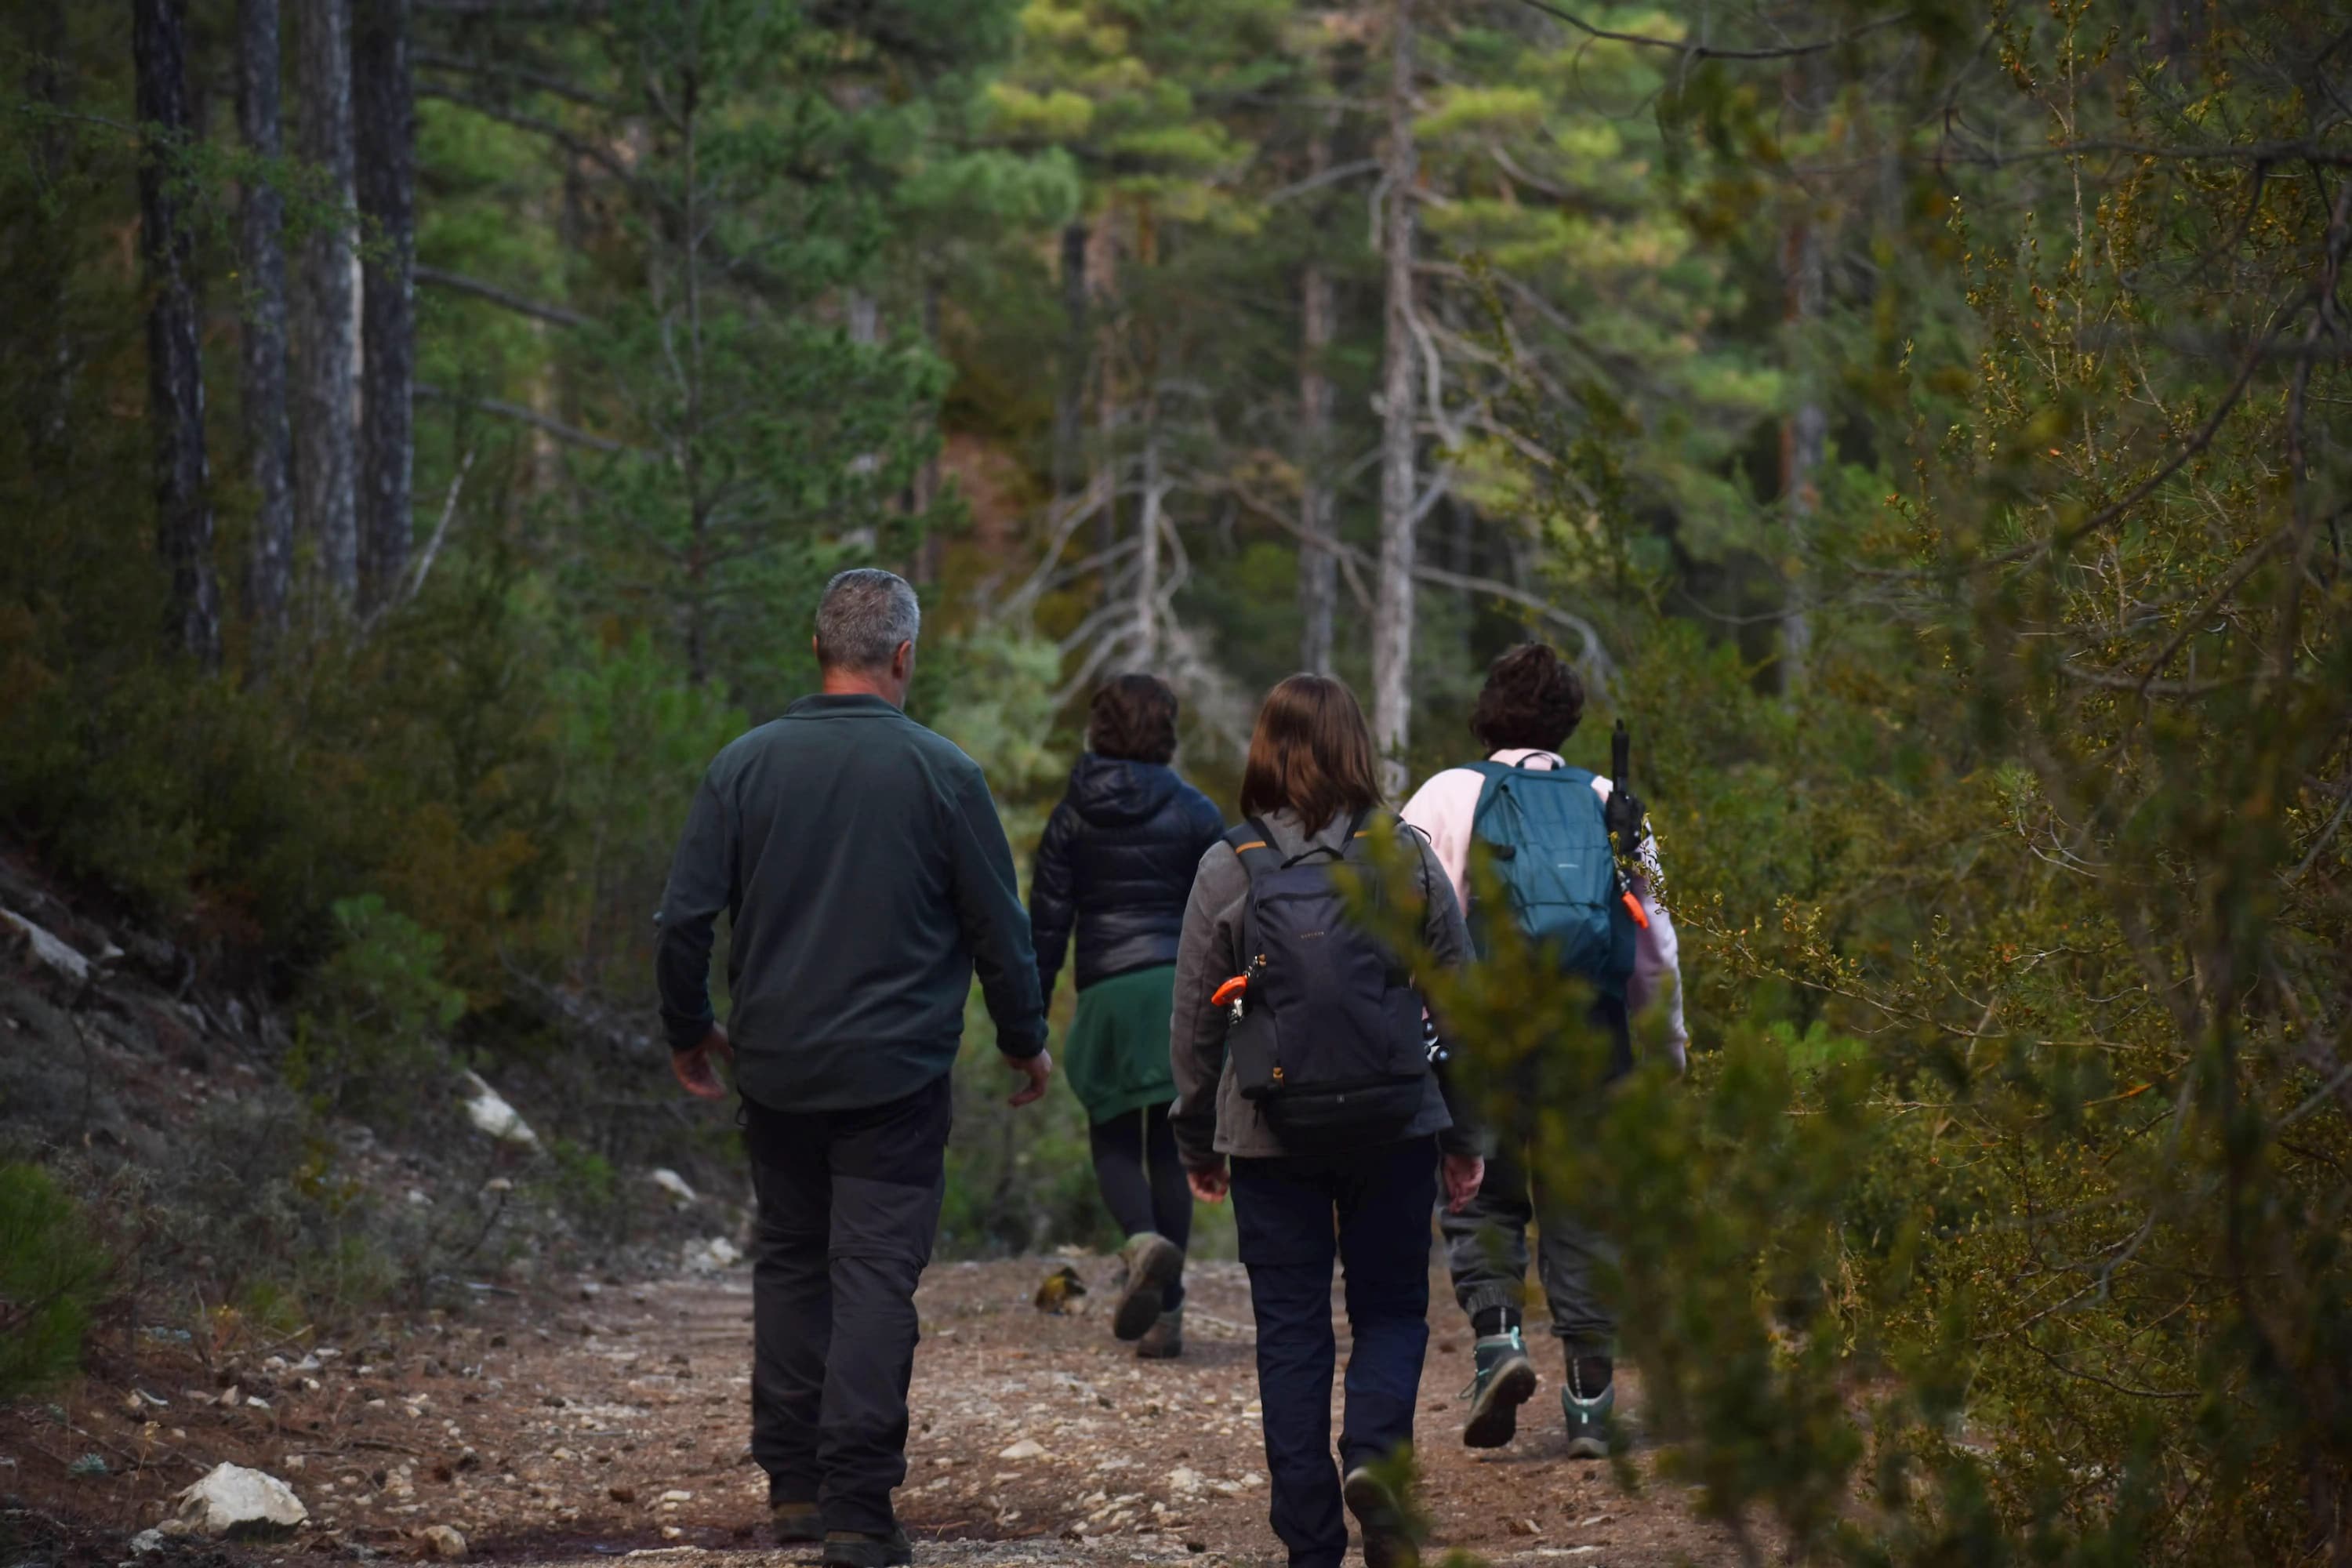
(1370, 1210)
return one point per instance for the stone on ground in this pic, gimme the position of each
(232, 1501)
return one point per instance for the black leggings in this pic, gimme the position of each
(1141, 1179)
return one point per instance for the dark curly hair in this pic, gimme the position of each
(1133, 717)
(1532, 699)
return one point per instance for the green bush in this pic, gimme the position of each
(51, 1277)
(370, 1030)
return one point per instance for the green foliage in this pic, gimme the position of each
(371, 1029)
(51, 1278)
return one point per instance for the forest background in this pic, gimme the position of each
(429, 423)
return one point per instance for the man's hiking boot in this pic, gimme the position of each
(796, 1523)
(1589, 1397)
(1505, 1380)
(1387, 1542)
(1152, 1262)
(1164, 1340)
(848, 1549)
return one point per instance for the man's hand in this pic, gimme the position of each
(694, 1068)
(1039, 1069)
(1464, 1174)
(1210, 1183)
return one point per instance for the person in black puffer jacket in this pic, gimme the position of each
(1117, 861)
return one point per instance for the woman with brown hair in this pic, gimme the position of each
(1323, 1166)
(1115, 863)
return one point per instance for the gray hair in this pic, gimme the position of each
(864, 617)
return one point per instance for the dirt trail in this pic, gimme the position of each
(615, 1426)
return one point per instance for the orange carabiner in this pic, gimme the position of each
(1634, 907)
(1229, 990)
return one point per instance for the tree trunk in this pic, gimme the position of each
(1146, 553)
(48, 82)
(1102, 281)
(384, 98)
(1318, 565)
(327, 331)
(1804, 433)
(175, 381)
(270, 440)
(1805, 438)
(1070, 403)
(923, 489)
(1392, 608)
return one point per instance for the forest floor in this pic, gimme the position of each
(613, 1425)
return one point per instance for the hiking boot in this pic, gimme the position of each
(795, 1523)
(1505, 1380)
(1164, 1340)
(1152, 1263)
(1387, 1543)
(1589, 1397)
(848, 1549)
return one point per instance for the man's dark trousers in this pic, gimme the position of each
(849, 1204)
(1283, 1211)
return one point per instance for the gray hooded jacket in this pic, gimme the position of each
(1211, 1117)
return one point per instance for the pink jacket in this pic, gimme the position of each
(1444, 809)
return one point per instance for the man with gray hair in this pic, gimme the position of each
(867, 878)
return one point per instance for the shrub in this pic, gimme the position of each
(51, 1277)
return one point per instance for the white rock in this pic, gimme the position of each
(673, 1184)
(1027, 1448)
(444, 1542)
(51, 950)
(147, 1540)
(488, 1110)
(232, 1500)
(1183, 1479)
(711, 1254)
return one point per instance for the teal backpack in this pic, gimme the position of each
(1550, 843)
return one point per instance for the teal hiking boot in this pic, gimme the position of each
(1589, 1397)
(1505, 1380)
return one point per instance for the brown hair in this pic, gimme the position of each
(1133, 717)
(1311, 751)
(1532, 699)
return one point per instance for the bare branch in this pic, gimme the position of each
(1692, 52)
(533, 417)
(458, 282)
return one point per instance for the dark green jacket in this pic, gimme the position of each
(866, 877)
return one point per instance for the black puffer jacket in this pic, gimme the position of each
(1118, 859)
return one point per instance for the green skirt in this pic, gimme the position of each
(1116, 1054)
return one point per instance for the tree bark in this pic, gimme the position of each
(1804, 433)
(1318, 565)
(1146, 553)
(923, 489)
(270, 439)
(1102, 283)
(1070, 403)
(1804, 439)
(48, 82)
(1392, 603)
(384, 98)
(176, 383)
(326, 425)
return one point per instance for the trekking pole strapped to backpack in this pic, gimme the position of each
(1327, 1035)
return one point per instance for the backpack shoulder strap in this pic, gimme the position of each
(1252, 846)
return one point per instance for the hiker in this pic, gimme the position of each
(866, 877)
(1117, 861)
(1529, 706)
(1332, 1148)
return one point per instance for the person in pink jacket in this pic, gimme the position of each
(1530, 704)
